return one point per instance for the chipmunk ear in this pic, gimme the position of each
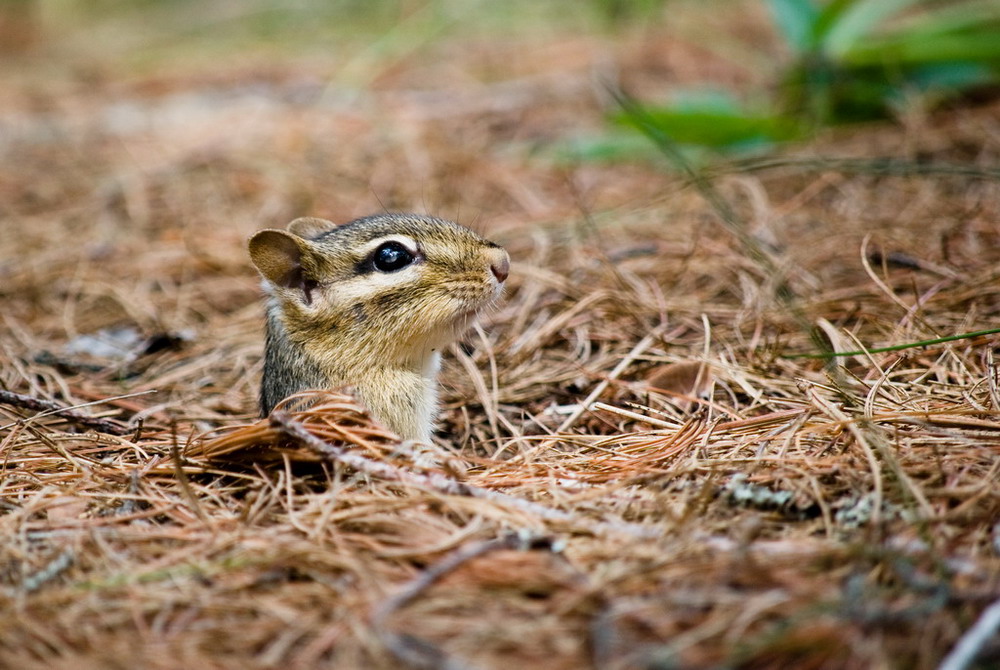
(278, 254)
(310, 227)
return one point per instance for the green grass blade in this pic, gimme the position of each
(858, 20)
(951, 77)
(796, 19)
(895, 347)
(715, 129)
(829, 16)
(903, 50)
(966, 16)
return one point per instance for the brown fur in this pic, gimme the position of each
(333, 320)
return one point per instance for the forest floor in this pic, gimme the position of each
(758, 510)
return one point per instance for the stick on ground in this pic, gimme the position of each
(49, 407)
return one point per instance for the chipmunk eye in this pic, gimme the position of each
(391, 256)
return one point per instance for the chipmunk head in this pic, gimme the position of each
(390, 288)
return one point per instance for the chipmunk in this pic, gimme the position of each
(370, 304)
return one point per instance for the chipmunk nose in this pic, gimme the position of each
(501, 268)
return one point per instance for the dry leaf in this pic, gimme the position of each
(686, 382)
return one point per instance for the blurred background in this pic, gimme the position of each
(791, 63)
(718, 79)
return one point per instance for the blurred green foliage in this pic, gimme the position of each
(852, 60)
(849, 60)
(700, 124)
(858, 59)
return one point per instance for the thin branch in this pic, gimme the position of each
(178, 468)
(50, 407)
(970, 644)
(883, 167)
(439, 483)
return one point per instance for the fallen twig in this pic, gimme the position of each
(437, 482)
(50, 407)
(970, 644)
